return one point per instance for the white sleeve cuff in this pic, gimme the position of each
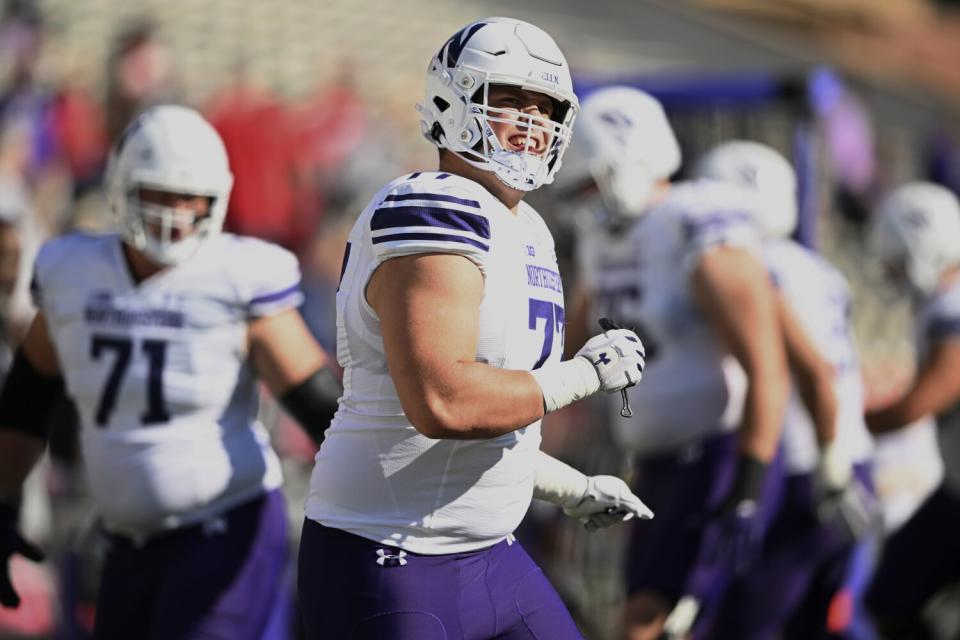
(558, 482)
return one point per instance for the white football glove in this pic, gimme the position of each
(606, 502)
(841, 500)
(611, 361)
(618, 358)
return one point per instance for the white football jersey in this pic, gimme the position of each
(376, 476)
(160, 373)
(691, 386)
(820, 299)
(939, 320)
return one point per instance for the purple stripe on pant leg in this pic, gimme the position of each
(224, 585)
(188, 582)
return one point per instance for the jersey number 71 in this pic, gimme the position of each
(122, 348)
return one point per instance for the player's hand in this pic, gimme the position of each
(606, 502)
(732, 532)
(853, 511)
(731, 538)
(10, 543)
(841, 500)
(617, 356)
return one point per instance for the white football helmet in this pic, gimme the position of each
(627, 145)
(764, 172)
(168, 148)
(916, 235)
(456, 114)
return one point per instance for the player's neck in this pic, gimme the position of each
(141, 267)
(510, 197)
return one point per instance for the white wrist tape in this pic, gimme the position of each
(836, 468)
(558, 482)
(565, 382)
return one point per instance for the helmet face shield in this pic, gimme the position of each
(457, 113)
(169, 234)
(543, 141)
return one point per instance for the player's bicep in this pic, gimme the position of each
(284, 352)
(937, 385)
(428, 306)
(805, 359)
(734, 291)
(39, 349)
(577, 331)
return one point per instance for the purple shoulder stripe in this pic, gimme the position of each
(276, 295)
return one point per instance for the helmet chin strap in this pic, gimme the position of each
(171, 253)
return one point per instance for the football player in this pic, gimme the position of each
(809, 545)
(917, 238)
(682, 264)
(158, 333)
(450, 324)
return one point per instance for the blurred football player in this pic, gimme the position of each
(808, 546)
(450, 325)
(916, 235)
(682, 264)
(158, 333)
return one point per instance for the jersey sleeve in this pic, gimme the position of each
(724, 227)
(720, 219)
(944, 320)
(418, 217)
(271, 278)
(52, 253)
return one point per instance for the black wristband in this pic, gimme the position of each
(747, 482)
(314, 402)
(28, 398)
(9, 515)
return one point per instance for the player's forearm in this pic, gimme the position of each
(474, 401)
(820, 401)
(892, 418)
(19, 453)
(763, 417)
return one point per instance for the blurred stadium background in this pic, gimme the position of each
(315, 100)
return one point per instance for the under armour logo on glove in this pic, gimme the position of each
(617, 356)
(397, 559)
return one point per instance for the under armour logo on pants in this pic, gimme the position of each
(385, 559)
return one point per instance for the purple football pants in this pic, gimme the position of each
(919, 559)
(682, 488)
(803, 566)
(218, 580)
(352, 588)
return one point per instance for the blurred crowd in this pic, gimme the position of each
(301, 169)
